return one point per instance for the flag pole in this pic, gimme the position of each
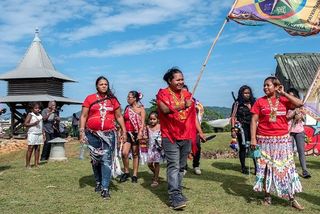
(211, 49)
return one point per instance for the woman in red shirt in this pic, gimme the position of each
(99, 113)
(177, 117)
(276, 171)
(134, 118)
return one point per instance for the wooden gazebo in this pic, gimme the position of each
(34, 80)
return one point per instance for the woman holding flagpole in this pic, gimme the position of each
(276, 170)
(178, 129)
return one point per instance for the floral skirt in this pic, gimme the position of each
(276, 171)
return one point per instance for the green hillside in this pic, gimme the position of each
(215, 112)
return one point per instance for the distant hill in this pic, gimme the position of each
(215, 112)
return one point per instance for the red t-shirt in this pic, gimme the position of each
(172, 126)
(262, 108)
(94, 121)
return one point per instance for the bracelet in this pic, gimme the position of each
(81, 129)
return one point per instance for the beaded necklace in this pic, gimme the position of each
(102, 110)
(178, 102)
(274, 109)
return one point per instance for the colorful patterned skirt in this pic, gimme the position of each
(276, 170)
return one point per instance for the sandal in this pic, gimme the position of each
(267, 200)
(155, 183)
(294, 203)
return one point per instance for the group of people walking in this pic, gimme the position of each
(171, 130)
(174, 131)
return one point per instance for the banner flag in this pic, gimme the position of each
(297, 17)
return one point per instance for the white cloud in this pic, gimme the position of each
(136, 13)
(19, 18)
(8, 55)
(207, 14)
(135, 47)
(77, 20)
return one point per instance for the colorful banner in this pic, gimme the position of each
(312, 122)
(297, 17)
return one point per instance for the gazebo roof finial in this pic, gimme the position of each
(36, 36)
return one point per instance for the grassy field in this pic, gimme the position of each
(67, 187)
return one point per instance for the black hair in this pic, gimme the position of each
(109, 93)
(168, 76)
(31, 105)
(185, 87)
(294, 91)
(275, 81)
(136, 95)
(153, 113)
(241, 99)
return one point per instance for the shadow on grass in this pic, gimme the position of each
(3, 168)
(231, 184)
(227, 166)
(88, 180)
(310, 198)
(313, 164)
(160, 191)
(234, 166)
(235, 185)
(238, 186)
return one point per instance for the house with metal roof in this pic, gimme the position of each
(302, 71)
(35, 79)
(297, 70)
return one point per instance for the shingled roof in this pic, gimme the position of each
(37, 98)
(35, 64)
(297, 69)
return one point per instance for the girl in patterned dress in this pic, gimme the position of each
(276, 171)
(36, 135)
(155, 147)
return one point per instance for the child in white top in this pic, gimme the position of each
(36, 135)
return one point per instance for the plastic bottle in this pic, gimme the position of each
(82, 151)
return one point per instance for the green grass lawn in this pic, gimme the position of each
(67, 187)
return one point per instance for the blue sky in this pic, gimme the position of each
(133, 43)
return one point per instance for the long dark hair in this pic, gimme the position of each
(136, 95)
(109, 93)
(294, 91)
(241, 99)
(168, 76)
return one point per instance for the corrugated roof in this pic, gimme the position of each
(298, 68)
(35, 64)
(37, 98)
